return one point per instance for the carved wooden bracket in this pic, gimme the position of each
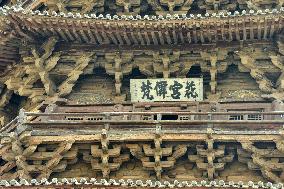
(172, 7)
(62, 5)
(5, 97)
(278, 61)
(66, 86)
(248, 60)
(165, 63)
(265, 160)
(143, 152)
(206, 157)
(18, 154)
(24, 77)
(124, 6)
(7, 155)
(118, 64)
(213, 57)
(101, 156)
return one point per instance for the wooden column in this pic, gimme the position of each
(213, 73)
(118, 75)
(166, 62)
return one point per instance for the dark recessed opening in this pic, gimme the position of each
(169, 117)
(195, 71)
(155, 117)
(41, 7)
(3, 2)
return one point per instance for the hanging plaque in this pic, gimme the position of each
(172, 89)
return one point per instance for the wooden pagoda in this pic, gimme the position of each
(79, 104)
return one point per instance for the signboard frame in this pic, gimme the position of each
(177, 89)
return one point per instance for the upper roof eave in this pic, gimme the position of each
(5, 10)
(176, 30)
(157, 30)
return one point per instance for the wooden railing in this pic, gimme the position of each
(281, 113)
(269, 120)
(136, 118)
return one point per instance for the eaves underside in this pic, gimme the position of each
(149, 32)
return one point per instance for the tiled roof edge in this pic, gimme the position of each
(5, 10)
(139, 183)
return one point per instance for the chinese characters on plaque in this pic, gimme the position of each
(150, 90)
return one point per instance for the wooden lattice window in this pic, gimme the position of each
(246, 116)
(147, 117)
(236, 117)
(97, 118)
(74, 118)
(254, 117)
(184, 117)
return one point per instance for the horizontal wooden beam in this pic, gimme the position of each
(232, 45)
(155, 113)
(139, 136)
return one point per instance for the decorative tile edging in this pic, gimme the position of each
(140, 183)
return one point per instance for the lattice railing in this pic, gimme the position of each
(167, 120)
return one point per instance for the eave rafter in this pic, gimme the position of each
(147, 30)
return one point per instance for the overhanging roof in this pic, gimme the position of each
(147, 30)
(226, 27)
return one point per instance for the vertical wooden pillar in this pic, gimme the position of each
(118, 75)
(213, 73)
(166, 62)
